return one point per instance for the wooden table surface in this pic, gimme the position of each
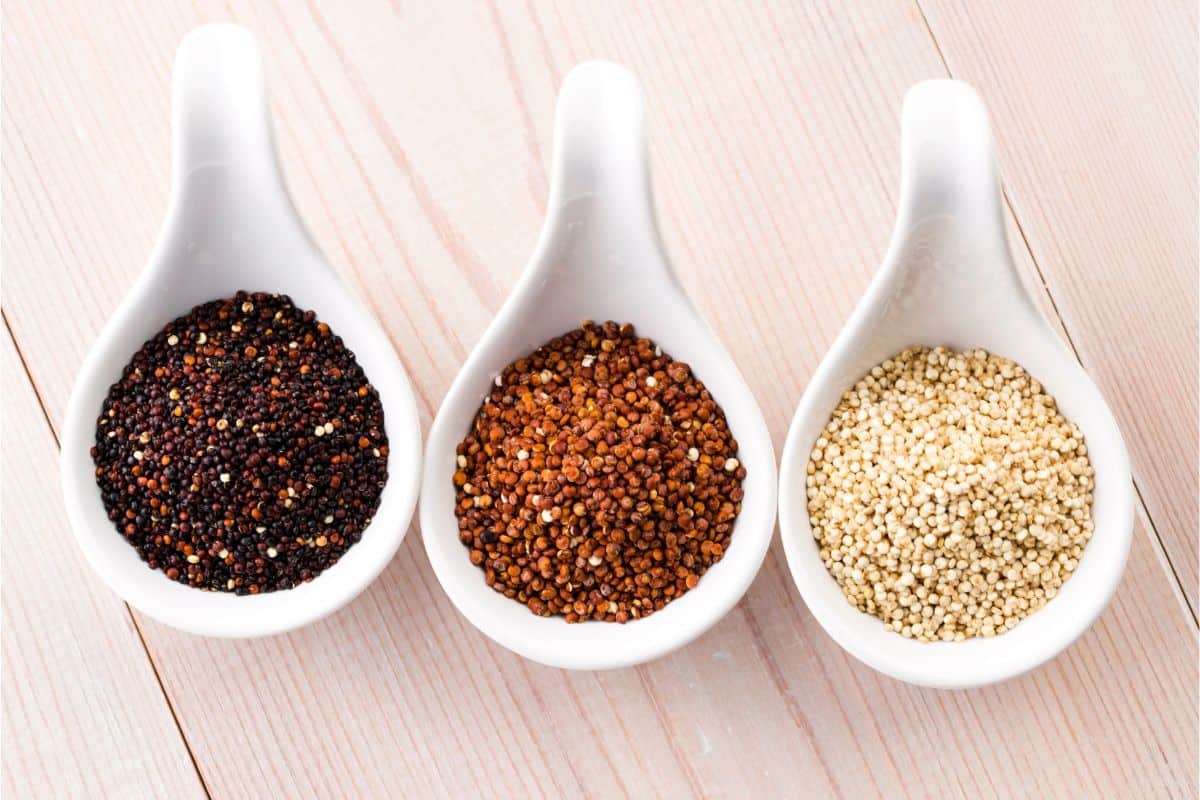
(416, 137)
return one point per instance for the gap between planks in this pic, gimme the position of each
(128, 609)
(1164, 556)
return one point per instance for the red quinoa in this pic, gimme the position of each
(599, 479)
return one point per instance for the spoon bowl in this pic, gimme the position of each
(948, 279)
(599, 257)
(230, 225)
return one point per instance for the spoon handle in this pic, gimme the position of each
(948, 167)
(220, 114)
(600, 146)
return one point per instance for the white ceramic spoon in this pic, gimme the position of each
(948, 279)
(599, 257)
(230, 225)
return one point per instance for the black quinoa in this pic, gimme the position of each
(243, 448)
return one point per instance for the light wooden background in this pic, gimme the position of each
(415, 137)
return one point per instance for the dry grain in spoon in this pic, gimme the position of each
(948, 280)
(230, 225)
(598, 257)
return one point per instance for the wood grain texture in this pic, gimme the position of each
(416, 138)
(1096, 118)
(84, 715)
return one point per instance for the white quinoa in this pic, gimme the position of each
(948, 495)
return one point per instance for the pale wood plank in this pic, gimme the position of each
(1095, 107)
(415, 138)
(84, 715)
